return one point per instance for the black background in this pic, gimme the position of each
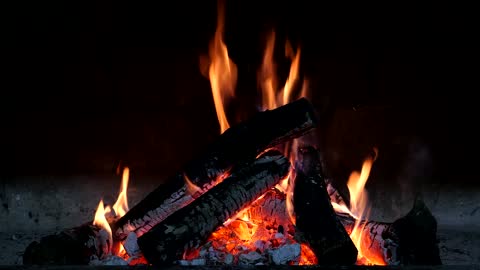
(89, 86)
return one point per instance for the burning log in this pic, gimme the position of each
(190, 226)
(316, 221)
(74, 246)
(238, 144)
(410, 240)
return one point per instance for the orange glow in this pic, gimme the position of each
(307, 257)
(121, 205)
(222, 72)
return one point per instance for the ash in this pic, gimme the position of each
(259, 235)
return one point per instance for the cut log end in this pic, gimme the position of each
(76, 246)
(417, 236)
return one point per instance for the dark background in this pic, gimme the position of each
(86, 87)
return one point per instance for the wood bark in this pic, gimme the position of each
(410, 240)
(316, 221)
(75, 246)
(238, 144)
(190, 226)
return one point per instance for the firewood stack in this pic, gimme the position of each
(238, 168)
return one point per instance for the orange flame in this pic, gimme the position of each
(120, 208)
(101, 221)
(273, 97)
(121, 205)
(222, 72)
(360, 210)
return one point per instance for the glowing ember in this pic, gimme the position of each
(222, 72)
(307, 256)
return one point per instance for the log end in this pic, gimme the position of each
(417, 236)
(65, 248)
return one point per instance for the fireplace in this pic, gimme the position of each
(223, 154)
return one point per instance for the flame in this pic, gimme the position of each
(101, 221)
(222, 72)
(360, 210)
(121, 205)
(191, 187)
(119, 209)
(273, 97)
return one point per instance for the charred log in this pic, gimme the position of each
(190, 226)
(316, 221)
(76, 246)
(410, 240)
(238, 144)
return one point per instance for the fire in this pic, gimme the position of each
(222, 72)
(273, 97)
(120, 208)
(121, 205)
(101, 221)
(192, 189)
(307, 256)
(360, 210)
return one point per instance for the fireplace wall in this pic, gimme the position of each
(95, 88)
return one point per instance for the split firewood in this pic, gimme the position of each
(238, 144)
(410, 240)
(316, 222)
(190, 226)
(76, 246)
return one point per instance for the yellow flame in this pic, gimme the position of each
(222, 72)
(101, 221)
(121, 205)
(273, 97)
(360, 210)
(120, 208)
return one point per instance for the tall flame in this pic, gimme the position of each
(222, 72)
(120, 208)
(101, 221)
(360, 210)
(273, 96)
(121, 205)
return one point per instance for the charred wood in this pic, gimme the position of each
(190, 226)
(76, 246)
(410, 240)
(316, 222)
(238, 144)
